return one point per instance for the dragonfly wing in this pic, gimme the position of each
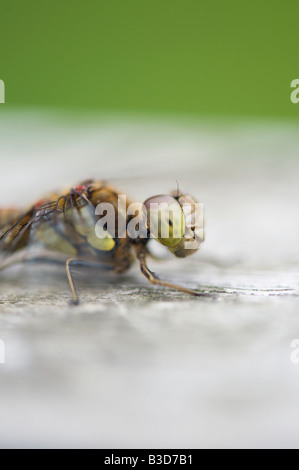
(70, 227)
(15, 234)
(65, 224)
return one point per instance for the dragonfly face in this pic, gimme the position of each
(66, 223)
(175, 221)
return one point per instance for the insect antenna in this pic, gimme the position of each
(178, 189)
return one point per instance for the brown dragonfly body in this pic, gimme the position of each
(66, 224)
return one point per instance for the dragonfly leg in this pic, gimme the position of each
(71, 280)
(25, 258)
(153, 278)
(11, 262)
(21, 258)
(33, 258)
(81, 262)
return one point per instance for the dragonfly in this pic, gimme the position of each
(65, 224)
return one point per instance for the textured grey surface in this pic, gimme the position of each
(137, 366)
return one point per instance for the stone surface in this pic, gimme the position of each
(138, 366)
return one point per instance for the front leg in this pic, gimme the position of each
(153, 278)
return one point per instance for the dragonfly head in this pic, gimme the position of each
(176, 221)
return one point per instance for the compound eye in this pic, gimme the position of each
(165, 220)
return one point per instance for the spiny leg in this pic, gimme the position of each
(75, 261)
(155, 280)
(11, 262)
(141, 255)
(71, 281)
(31, 258)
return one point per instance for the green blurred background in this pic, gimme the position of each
(193, 57)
